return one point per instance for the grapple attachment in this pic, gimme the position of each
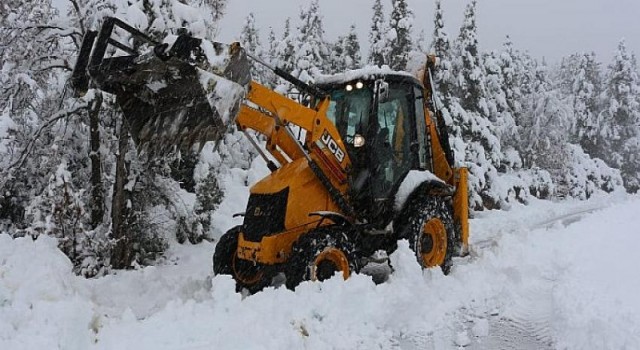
(174, 94)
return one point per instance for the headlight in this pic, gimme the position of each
(358, 141)
(359, 85)
(349, 87)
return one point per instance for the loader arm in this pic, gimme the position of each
(271, 114)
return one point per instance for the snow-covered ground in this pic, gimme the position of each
(548, 275)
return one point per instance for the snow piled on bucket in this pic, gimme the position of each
(564, 274)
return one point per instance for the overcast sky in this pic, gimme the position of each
(546, 28)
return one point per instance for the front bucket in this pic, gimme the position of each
(174, 101)
(177, 105)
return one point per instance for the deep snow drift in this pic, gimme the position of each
(548, 275)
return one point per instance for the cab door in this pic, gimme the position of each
(392, 153)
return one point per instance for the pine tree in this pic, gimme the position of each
(582, 82)
(217, 8)
(310, 49)
(399, 37)
(545, 124)
(281, 55)
(470, 79)
(467, 107)
(513, 65)
(249, 37)
(377, 48)
(621, 117)
(513, 72)
(421, 43)
(497, 107)
(440, 46)
(345, 53)
(250, 40)
(270, 79)
(285, 58)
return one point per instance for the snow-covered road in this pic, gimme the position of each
(548, 275)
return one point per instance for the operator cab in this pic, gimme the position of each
(381, 119)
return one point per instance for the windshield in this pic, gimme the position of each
(349, 110)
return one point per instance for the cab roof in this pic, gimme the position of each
(366, 73)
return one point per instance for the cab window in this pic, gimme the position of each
(392, 145)
(349, 111)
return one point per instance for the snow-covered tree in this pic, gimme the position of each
(513, 66)
(281, 55)
(250, 40)
(377, 48)
(310, 54)
(271, 56)
(249, 37)
(471, 87)
(421, 42)
(545, 124)
(284, 50)
(160, 17)
(581, 81)
(345, 53)
(441, 47)
(399, 35)
(498, 108)
(466, 107)
(620, 118)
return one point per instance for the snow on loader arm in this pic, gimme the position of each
(174, 93)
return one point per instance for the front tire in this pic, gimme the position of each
(225, 262)
(430, 231)
(319, 254)
(225, 251)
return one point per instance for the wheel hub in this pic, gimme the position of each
(246, 271)
(325, 270)
(426, 244)
(432, 243)
(327, 263)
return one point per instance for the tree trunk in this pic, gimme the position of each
(122, 251)
(97, 190)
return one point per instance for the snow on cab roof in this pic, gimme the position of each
(362, 73)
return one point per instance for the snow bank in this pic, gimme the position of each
(39, 308)
(561, 274)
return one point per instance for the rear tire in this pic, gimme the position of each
(319, 254)
(430, 231)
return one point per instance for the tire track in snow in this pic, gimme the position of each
(566, 219)
(527, 322)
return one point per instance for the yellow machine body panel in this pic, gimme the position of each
(305, 195)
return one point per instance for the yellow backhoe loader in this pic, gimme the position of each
(363, 162)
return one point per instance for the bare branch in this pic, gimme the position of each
(57, 116)
(65, 67)
(76, 8)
